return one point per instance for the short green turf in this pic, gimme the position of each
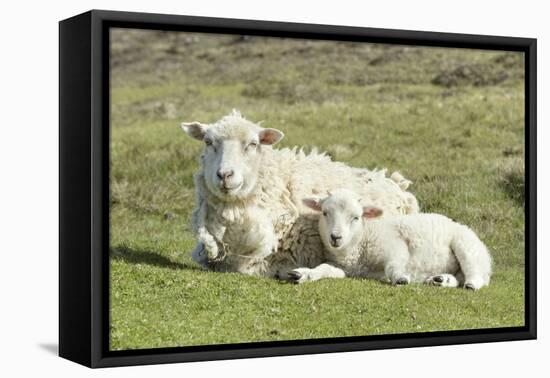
(451, 120)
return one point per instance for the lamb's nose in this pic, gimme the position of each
(224, 175)
(335, 237)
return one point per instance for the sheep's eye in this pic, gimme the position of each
(252, 145)
(325, 213)
(210, 144)
(355, 219)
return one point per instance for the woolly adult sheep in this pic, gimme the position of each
(249, 194)
(427, 248)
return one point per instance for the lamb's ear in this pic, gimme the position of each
(194, 129)
(371, 212)
(270, 136)
(313, 203)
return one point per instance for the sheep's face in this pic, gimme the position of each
(340, 224)
(231, 158)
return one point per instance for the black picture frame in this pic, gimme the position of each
(84, 187)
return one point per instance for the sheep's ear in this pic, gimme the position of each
(194, 129)
(371, 212)
(270, 136)
(313, 203)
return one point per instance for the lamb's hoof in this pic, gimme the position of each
(469, 286)
(402, 281)
(442, 280)
(438, 280)
(294, 276)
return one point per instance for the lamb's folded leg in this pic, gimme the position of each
(301, 275)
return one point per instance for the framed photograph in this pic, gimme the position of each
(234, 188)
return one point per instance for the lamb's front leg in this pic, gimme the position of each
(396, 260)
(301, 275)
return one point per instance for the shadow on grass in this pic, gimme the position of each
(512, 180)
(135, 256)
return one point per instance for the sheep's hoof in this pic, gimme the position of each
(199, 256)
(402, 281)
(294, 276)
(438, 279)
(469, 286)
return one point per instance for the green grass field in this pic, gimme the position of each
(451, 120)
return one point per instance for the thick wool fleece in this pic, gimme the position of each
(272, 214)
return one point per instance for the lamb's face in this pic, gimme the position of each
(340, 224)
(340, 221)
(232, 154)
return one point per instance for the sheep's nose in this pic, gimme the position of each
(224, 175)
(335, 237)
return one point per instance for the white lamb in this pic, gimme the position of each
(249, 195)
(429, 248)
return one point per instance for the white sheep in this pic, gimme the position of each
(249, 194)
(429, 248)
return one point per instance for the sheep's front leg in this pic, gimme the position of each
(301, 275)
(211, 249)
(199, 255)
(207, 247)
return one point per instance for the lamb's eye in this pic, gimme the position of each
(325, 213)
(252, 146)
(355, 219)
